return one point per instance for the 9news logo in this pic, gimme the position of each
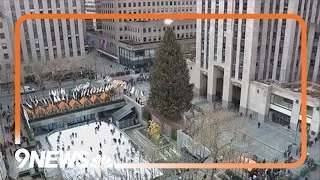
(54, 159)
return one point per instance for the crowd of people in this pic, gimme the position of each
(8, 146)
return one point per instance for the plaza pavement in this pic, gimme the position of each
(270, 140)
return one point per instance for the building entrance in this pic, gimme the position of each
(219, 90)
(280, 118)
(236, 95)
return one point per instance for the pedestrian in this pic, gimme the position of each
(11, 152)
(259, 124)
(315, 139)
(91, 149)
(204, 177)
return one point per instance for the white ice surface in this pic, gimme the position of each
(86, 133)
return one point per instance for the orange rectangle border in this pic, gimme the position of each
(178, 16)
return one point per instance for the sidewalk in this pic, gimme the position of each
(48, 85)
(13, 171)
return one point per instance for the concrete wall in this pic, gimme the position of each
(197, 150)
(78, 114)
(259, 100)
(138, 107)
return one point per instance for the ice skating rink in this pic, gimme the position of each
(92, 138)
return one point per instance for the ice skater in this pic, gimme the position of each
(100, 145)
(75, 134)
(81, 142)
(104, 141)
(114, 140)
(72, 142)
(91, 149)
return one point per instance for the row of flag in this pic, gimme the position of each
(104, 44)
(82, 90)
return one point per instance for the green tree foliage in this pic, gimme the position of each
(170, 91)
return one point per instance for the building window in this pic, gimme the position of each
(4, 46)
(2, 36)
(6, 56)
(281, 101)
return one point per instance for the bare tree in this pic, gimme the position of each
(60, 70)
(7, 77)
(90, 66)
(40, 70)
(222, 133)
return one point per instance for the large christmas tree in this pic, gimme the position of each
(170, 91)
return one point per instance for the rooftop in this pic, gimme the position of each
(76, 99)
(313, 89)
(132, 42)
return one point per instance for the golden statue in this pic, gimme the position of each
(154, 130)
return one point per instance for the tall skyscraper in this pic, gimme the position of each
(132, 42)
(6, 51)
(234, 55)
(93, 7)
(43, 40)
